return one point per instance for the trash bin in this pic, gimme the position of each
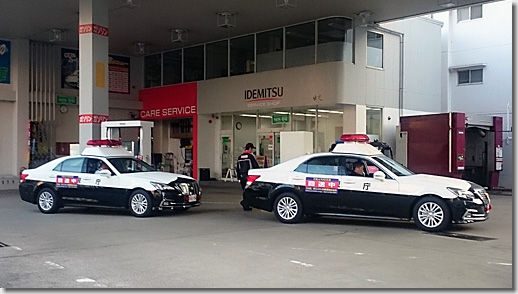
(204, 174)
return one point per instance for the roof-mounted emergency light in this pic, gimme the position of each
(109, 143)
(354, 138)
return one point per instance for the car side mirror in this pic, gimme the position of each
(379, 175)
(105, 173)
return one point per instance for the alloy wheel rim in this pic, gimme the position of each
(287, 208)
(46, 200)
(430, 214)
(139, 203)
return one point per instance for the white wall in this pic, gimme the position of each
(422, 59)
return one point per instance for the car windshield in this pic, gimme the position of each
(130, 165)
(397, 168)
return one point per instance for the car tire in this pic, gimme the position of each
(431, 214)
(288, 208)
(140, 203)
(47, 201)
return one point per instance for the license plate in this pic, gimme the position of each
(192, 198)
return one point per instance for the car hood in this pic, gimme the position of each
(159, 177)
(435, 180)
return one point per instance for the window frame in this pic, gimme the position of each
(376, 66)
(470, 13)
(470, 80)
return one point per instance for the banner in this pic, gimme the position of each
(118, 71)
(5, 62)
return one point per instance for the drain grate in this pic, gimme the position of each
(463, 236)
(3, 245)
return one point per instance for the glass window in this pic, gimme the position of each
(330, 127)
(130, 165)
(153, 70)
(462, 14)
(470, 76)
(472, 12)
(73, 165)
(374, 49)
(173, 67)
(323, 165)
(193, 63)
(333, 42)
(269, 50)
(300, 44)
(217, 59)
(476, 11)
(397, 168)
(374, 123)
(242, 55)
(476, 75)
(463, 76)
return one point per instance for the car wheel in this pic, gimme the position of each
(288, 208)
(141, 204)
(48, 201)
(432, 214)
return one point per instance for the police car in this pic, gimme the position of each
(324, 184)
(106, 174)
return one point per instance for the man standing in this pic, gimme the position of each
(245, 162)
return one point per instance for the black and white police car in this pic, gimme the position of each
(107, 175)
(321, 184)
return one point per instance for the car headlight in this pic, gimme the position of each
(465, 194)
(160, 186)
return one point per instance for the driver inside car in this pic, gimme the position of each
(358, 169)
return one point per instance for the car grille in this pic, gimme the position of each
(483, 195)
(186, 188)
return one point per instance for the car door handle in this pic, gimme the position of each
(349, 182)
(87, 179)
(298, 179)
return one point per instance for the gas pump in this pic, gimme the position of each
(143, 147)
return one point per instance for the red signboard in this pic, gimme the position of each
(168, 102)
(94, 29)
(92, 118)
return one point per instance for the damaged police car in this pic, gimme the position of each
(325, 184)
(107, 175)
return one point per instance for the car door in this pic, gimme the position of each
(103, 189)
(319, 179)
(366, 195)
(68, 178)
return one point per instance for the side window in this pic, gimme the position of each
(73, 165)
(93, 165)
(371, 168)
(349, 162)
(325, 165)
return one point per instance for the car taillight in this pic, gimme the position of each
(251, 179)
(23, 176)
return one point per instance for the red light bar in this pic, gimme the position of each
(354, 138)
(109, 143)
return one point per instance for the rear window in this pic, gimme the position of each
(73, 165)
(324, 165)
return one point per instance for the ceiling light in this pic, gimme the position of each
(57, 35)
(131, 3)
(447, 3)
(140, 48)
(364, 18)
(286, 3)
(179, 35)
(226, 19)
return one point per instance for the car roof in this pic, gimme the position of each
(115, 151)
(360, 148)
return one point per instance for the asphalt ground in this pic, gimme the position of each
(219, 246)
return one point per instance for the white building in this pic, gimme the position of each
(477, 71)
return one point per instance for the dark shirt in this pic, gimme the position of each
(245, 162)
